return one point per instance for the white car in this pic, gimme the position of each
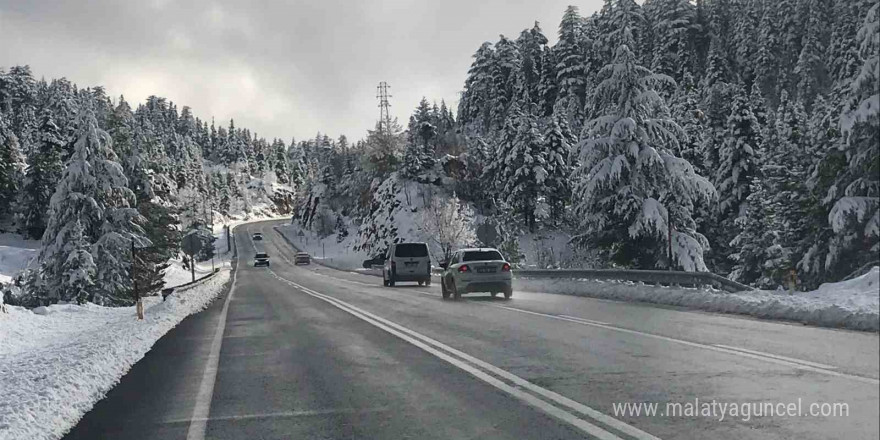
(407, 262)
(476, 270)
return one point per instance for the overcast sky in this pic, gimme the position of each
(280, 68)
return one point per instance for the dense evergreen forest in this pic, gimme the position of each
(736, 136)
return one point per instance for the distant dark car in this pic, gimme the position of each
(258, 236)
(261, 259)
(375, 261)
(302, 258)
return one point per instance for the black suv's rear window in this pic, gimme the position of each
(262, 256)
(411, 250)
(482, 256)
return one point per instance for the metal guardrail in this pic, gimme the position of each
(644, 276)
(186, 286)
(680, 278)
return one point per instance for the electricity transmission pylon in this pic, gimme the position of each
(384, 107)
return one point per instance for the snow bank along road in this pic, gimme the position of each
(311, 352)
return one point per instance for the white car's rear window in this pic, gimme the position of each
(482, 256)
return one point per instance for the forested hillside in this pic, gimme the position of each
(93, 178)
(736, 136)
(745, 129)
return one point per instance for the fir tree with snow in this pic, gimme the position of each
(631, 190)
(855, 215)
(11, 165)
(739, 159)
(42, 175)
(558, 149)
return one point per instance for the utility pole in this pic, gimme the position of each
(669, 240)
(139, 305)
(192, 258)
(384, 107)
(213, 249)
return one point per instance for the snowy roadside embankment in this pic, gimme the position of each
(15, 254)
(327, 251)
(852, 304)
(57, 362)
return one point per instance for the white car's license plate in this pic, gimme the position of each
(485, 270)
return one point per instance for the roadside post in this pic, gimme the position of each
(139, 304)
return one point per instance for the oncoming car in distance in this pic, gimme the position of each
(302, 258)
(261, 259)
(476, 270)
(407, 262)
(257, 236)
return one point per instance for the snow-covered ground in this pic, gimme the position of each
(546, 249)
(15, 254)
(852, 304)
(55, 366)
(56, 362)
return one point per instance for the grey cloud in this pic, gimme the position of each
(280, 68)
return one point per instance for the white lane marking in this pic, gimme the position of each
(202, 408)
(426, 293)
(283, 414)
(776, 356)
(482, 370)
(751, 354)
(766, 357)
(547, 315)
(576, 318)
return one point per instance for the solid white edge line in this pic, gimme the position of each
(202, 409)
(425, 342)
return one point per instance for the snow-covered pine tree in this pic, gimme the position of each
(11, 168)
(855, 216)
(774, 232)
(825, 137)
(547, 87)
(791, 31)
(341, 229)
(43, 172)
(524, 172)
(570, 66)
(78, 270)
(673, 26)
(73, 205)
(508, 80)
(378, 229)
(811, 71)
(629, 185)
(686, 111)
(479, 87)
(558, 149)
(282, 165)
(159, 221)
(744, 43)
(767, 70)
(532, 44)
(120, 223)
(739, 159)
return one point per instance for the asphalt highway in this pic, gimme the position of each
(310, 352)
